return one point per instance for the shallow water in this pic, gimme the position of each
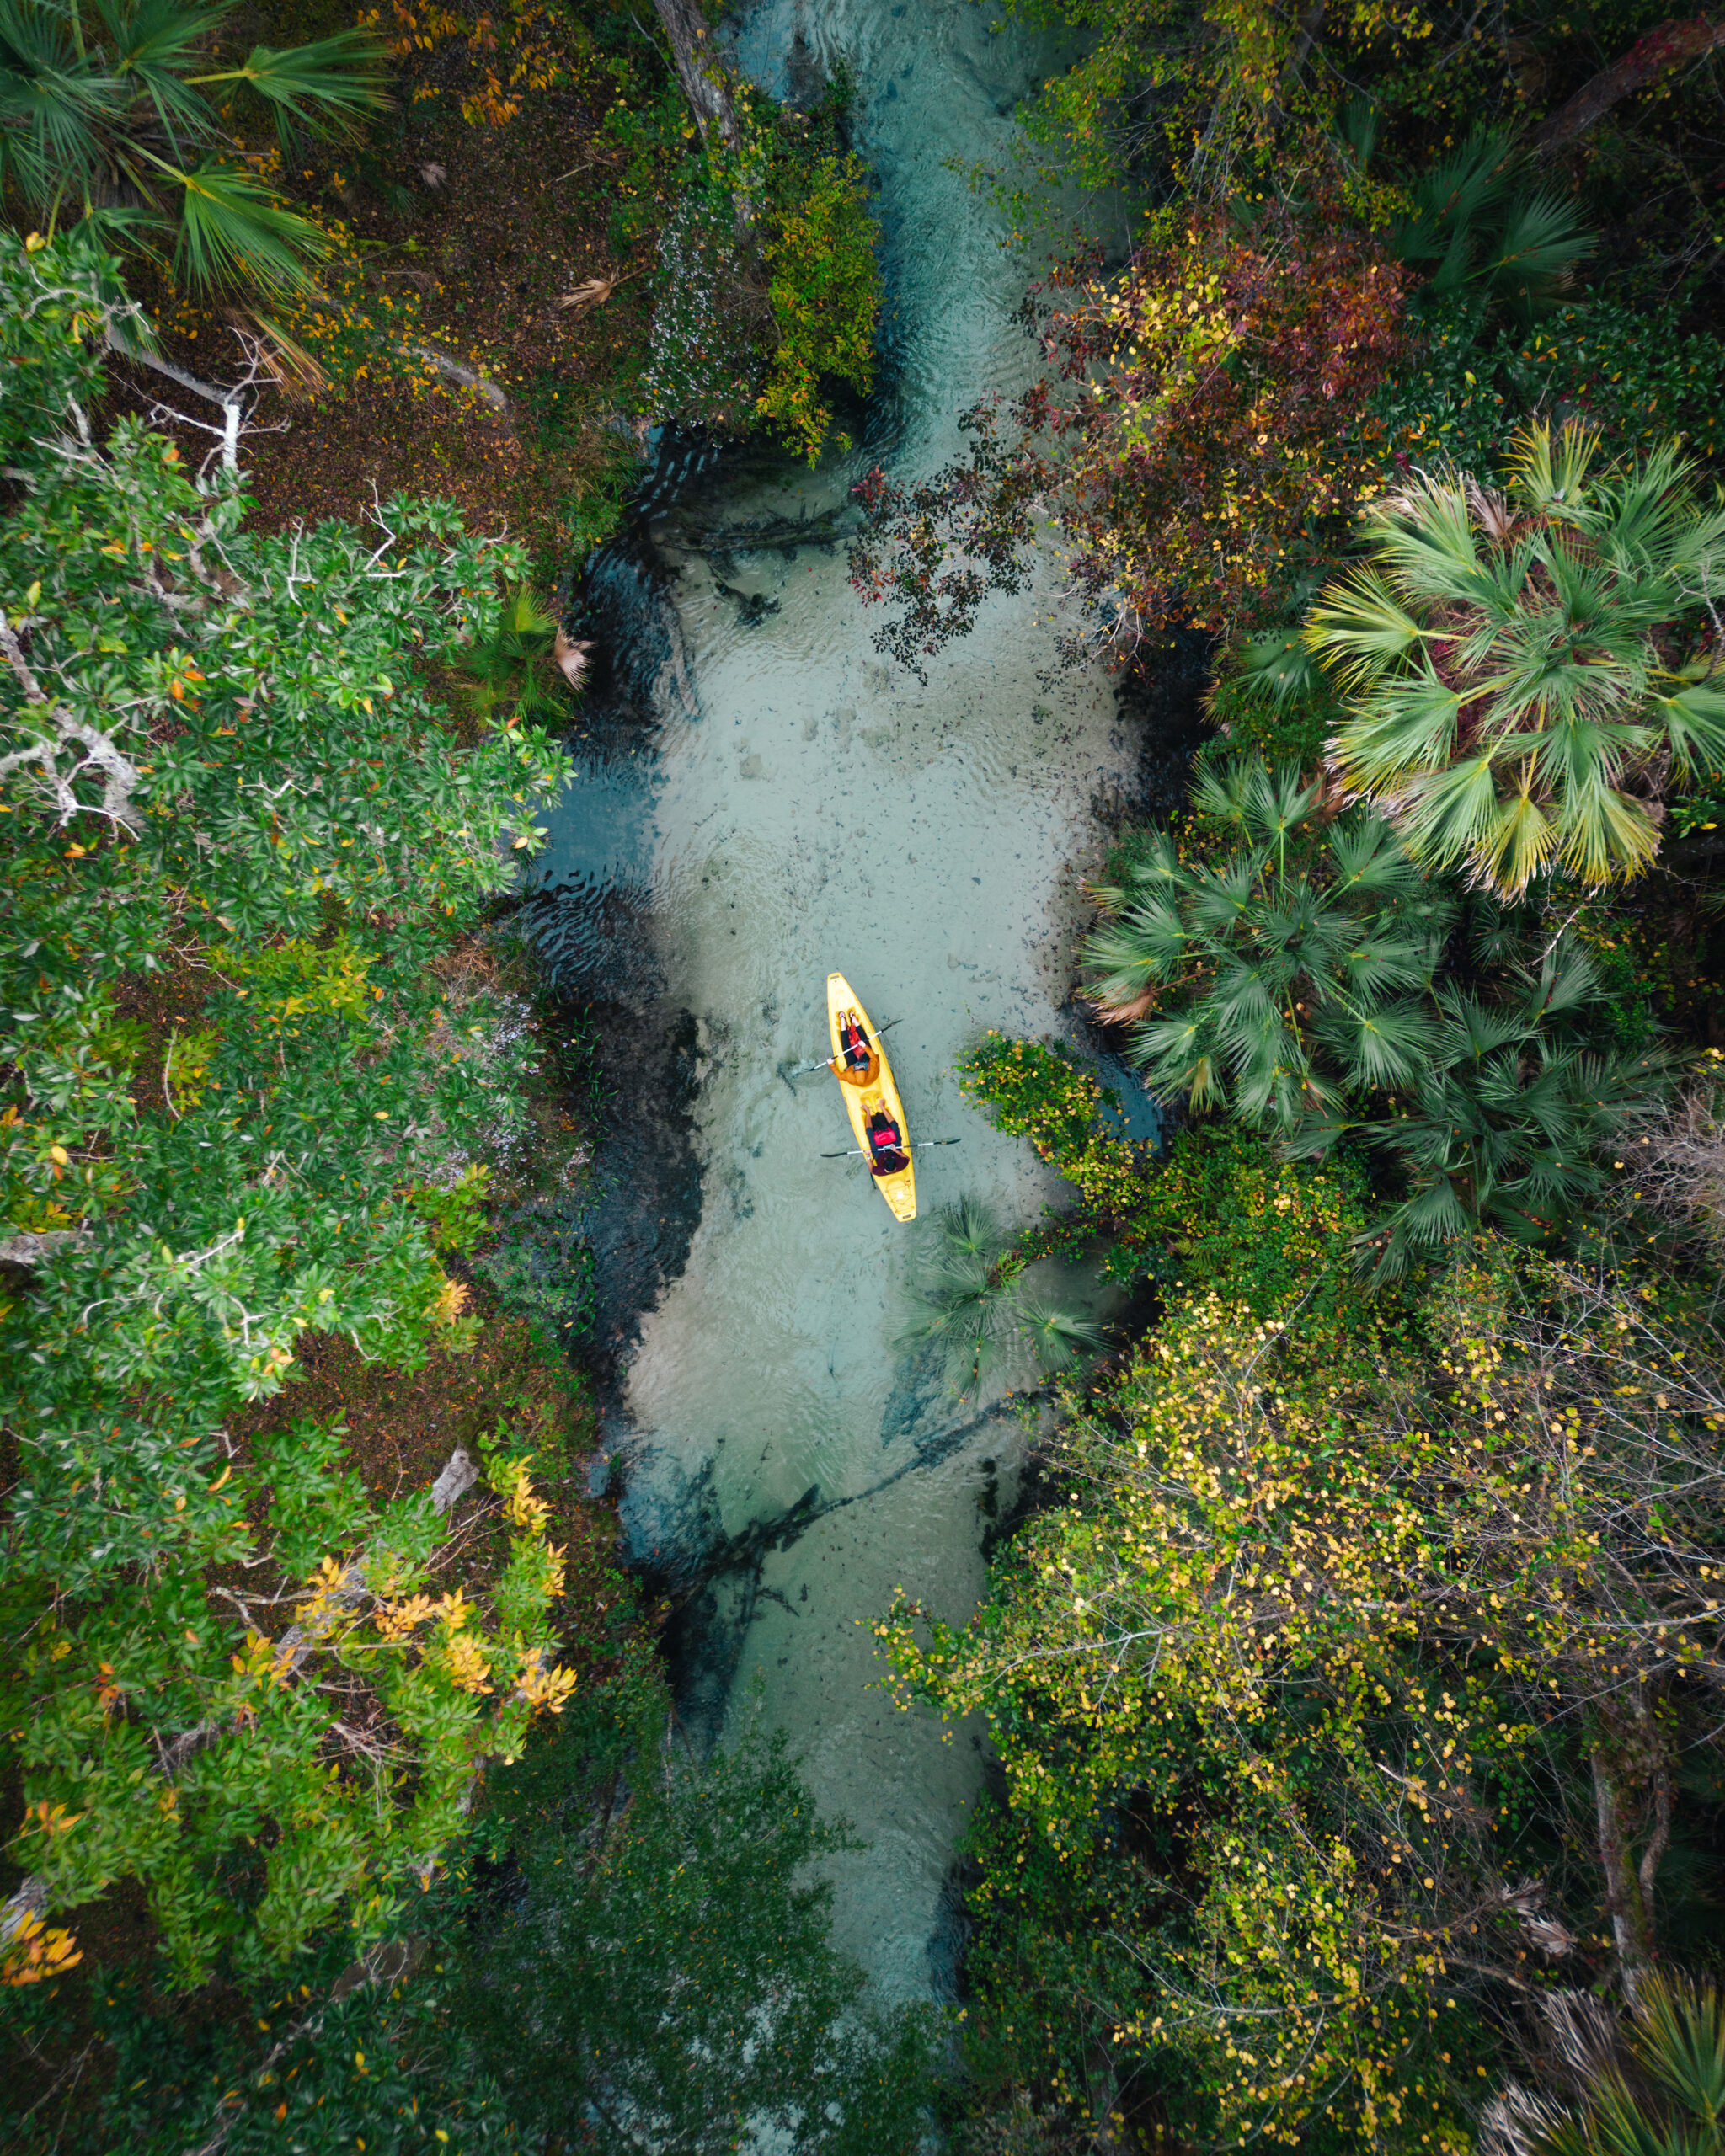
(807, 807)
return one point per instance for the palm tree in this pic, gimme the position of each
(1651, 2086)
(1504, 1121)
(105, 115)
(973, 1299)
(1527, 676)
(1298, 973)
(1295, 986)
(1482, 236)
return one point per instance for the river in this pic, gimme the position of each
(801, 806)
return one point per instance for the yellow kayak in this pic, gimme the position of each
(861, 1101)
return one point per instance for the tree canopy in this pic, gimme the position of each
(245, 1096)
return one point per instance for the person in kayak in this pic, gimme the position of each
(859, 1062)
(886, 1146)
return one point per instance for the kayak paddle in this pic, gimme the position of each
(825, 1062)
(920, 1145)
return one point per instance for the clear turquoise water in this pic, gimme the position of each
(822, 811)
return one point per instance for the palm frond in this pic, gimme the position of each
(1567, 979)
(1694, 722)
(1604, 835)
(1180, 1055)
(59, 107)
(154, 42)
(1426, 542)
(1408, 725)
(234, 232)
(1529, 260)
(969, 1231)
(1461, 815)
(1148, 943)
(1679, 2041)
(1277, 665)
(1380, 1046)
(1058, 1337)
(328, 88)
(1551, 467)
(1359, 628)
(1450, 197)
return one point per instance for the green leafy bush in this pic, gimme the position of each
(659, 1951)
(754, 317)
(824, 292)
(239, 839)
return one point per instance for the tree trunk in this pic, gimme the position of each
(1671, 45)
(704, 81)
(1624, 1903)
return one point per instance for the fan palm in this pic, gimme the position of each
(1479, 233)
(1526, 675)
(972, 1302)
(1299, 979)
(1654, 2088)
(1505, 1119)
(105, 113)
(506, 670)
(1296, 985)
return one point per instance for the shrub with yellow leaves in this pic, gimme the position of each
(1301, 1693)
(353, 1733)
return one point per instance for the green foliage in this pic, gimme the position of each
(1631, 371)
(298, 2072)
(658, 1954)
(1518, 671)
(1040, 1090)
(1288, 728)
(1483, 238)
(1309, 976)
(108, 117)
(1226, 1208)
(455, 1211)
(1304, 1686)
(652, 127)
(1451, 404)
(825, 291)
(1302, 973)
(974, 1297)
(509, 672)
(216, 747)
(544, 1269)
(1221, 1205)
(1654, 2083)
(758, 315)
